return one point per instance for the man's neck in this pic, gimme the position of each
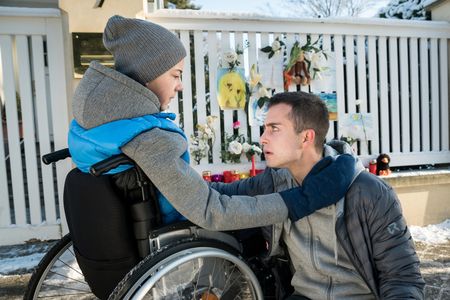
(304, 165)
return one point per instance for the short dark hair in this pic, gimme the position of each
(308, 112)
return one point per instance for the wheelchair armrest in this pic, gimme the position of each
(55, 156)
(109, 164)
(171, 233)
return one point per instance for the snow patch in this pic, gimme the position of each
(26, 263)
(432, 234)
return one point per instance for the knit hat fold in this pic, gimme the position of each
(142, 50)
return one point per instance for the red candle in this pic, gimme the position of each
(227, 176)
(253, 170)
(235, 176)
(373, 166)
(206, 175)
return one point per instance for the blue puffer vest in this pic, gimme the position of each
(88, 147)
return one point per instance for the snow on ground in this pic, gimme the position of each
(14, 261)
(21, 264)
(432, 234)
(21, 259)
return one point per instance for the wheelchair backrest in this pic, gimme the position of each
(101, 228)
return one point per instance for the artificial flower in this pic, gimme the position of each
(246, 147)
(202, 139)
(274, 48)
(276, 45)
(235, 147)
(255, 78)
(230, 57)
(262, 92)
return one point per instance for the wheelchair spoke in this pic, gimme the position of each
(212, 278)
(198, 278)
(67, 277)
(77, 270)
(62, 287)
(192, 270)
(59, 276)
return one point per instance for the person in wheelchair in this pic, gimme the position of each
(120, 111)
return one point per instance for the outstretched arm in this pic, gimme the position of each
(158, 153)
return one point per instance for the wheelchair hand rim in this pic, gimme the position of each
(184, 256)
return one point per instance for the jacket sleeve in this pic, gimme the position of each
(394, 254)
(158, 153)
(258, 185)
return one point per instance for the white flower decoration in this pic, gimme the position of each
(210, 120)
(235, 147)
(262, 92)
(276, 45)
(230, 57)
(256, 149)
(208, 133)
(246, 146)
(203, 145)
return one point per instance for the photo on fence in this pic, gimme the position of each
(330, 100)
(357, 126)
(271, 70)
(323, 73)
(256, 113)
(231, 88)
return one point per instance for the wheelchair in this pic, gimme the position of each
(176, 261)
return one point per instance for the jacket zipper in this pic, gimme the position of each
(313, 261)
(330, 287)
(311, 245)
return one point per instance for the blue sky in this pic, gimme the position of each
(277, 7)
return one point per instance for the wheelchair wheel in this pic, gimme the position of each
(190, 269)
(58, 275)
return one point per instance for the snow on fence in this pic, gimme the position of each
(398, 70)
(34, 122)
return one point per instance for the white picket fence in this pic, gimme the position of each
(397, 69)
(33, 91)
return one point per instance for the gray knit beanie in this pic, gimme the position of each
(142, 50)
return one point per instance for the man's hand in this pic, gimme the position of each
(325, 184)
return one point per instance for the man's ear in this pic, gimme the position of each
(309, 136)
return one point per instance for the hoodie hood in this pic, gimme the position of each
(336, 147)
(105, 95)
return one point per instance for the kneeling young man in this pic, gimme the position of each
(358, 248)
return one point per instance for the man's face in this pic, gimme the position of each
(167, 85)
(281, 143)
